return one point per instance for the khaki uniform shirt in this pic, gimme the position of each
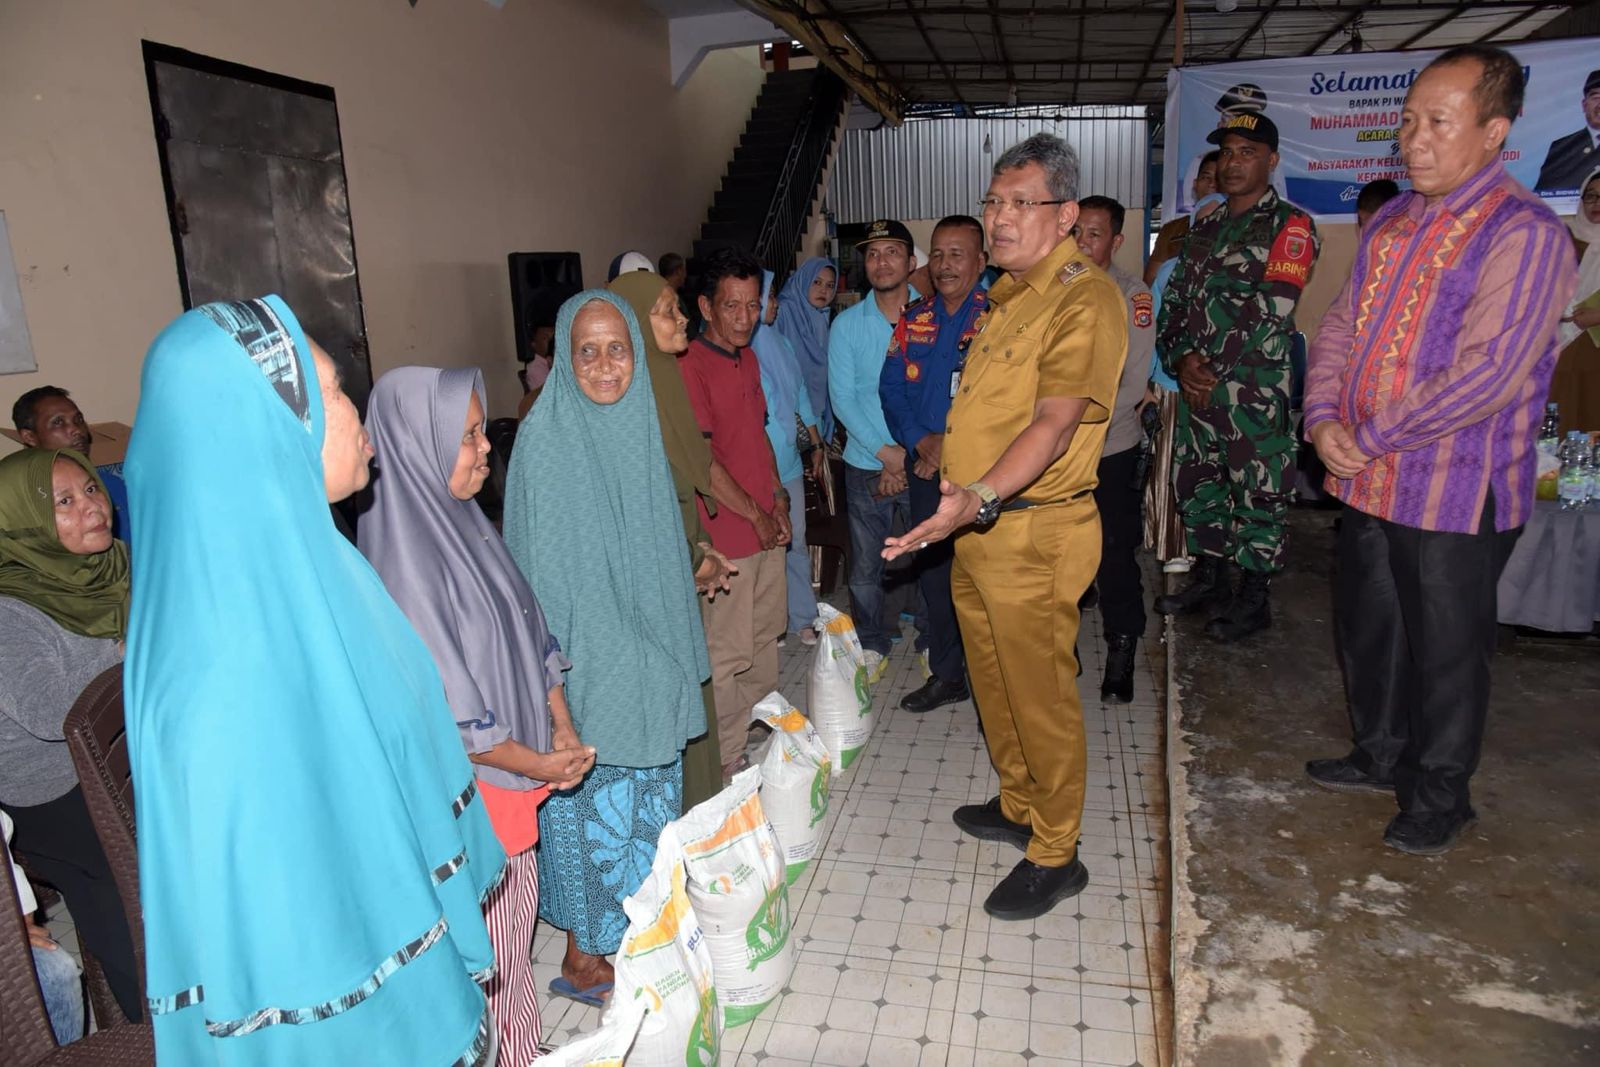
(1062, 330)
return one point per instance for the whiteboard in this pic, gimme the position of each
(16, 348)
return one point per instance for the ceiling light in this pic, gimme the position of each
(1227, 7)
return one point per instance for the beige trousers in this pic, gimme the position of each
(742, 630)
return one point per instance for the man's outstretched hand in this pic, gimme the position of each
(958, 506)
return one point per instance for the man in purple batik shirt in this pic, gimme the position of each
(1424, 391)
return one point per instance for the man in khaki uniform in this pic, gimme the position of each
(1024, 436)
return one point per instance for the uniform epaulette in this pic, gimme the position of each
(1071, 272)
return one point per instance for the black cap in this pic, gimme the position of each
(1257, 128)
(1592, 82)
(888, 230)
(1243, 99)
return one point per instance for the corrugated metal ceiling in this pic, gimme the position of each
(978, 52)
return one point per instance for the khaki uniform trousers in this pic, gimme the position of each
(1016, 587)
(742, 630)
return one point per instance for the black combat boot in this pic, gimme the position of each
(1209, 587)
(1117, 685)
(1250, 611)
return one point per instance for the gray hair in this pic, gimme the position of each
(1059, 161)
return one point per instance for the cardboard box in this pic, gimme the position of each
(110, 442)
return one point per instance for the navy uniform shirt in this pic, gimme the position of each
(918, 377)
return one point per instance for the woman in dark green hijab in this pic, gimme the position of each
(63, 614)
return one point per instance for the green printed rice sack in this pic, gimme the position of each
(664, 967)
(738, 889)
(795, 778)
(840, 698)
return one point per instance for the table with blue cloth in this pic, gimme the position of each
(1552, 581)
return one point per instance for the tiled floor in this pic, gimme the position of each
(898, 963)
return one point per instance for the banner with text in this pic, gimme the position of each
(1338, 116)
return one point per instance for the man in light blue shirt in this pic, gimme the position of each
(875, 466)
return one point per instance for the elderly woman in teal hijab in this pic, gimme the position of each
(313, 853)
(592, 520)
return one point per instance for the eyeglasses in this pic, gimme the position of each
(1590, 199)
(996, 204)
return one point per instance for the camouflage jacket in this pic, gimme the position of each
(1232, 296)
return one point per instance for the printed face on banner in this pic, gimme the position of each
(1339, 121)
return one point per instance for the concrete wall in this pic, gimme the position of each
(468, 131)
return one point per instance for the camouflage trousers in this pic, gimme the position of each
(1234, 457)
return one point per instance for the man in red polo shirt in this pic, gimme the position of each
(751, 525)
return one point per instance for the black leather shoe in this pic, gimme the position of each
(1031, 890)
(936, 693)
(1427, 833)
(1250, 611)
(988, 822)
(1342, 776)
(1210, 586)
(1117, 685)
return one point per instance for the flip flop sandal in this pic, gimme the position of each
(594, 996)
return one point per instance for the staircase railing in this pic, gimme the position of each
(786, 217)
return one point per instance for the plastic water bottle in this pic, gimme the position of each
(1549, 439)
(1547, 445)
(1576, 464)
(1594, 477)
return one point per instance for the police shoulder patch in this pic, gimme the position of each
(1144, 310)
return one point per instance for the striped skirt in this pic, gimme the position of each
(511, 912)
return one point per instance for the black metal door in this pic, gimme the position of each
(255, 182)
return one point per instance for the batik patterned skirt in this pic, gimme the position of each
(596, 844)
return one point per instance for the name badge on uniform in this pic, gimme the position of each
(955, 382)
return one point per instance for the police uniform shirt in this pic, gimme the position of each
(1059, 331)
(1124, 432)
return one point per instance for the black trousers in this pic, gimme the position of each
(945, 656)
(60, 843)
(1121, 533)
(1415, 618)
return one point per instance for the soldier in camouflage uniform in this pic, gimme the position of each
(1227, 320)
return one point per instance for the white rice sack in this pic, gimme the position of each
(795, 777)
(606, 1047)
(738, 889)
(664, 968)
(841, 699)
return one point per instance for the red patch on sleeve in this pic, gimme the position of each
(1144, 310)
(1292, 254)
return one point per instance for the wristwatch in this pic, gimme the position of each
(989, 510)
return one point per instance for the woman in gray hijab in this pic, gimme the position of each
(447, 568)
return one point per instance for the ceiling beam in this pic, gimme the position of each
(1083, 19)
(1511, 24)
(1075, 10)
(1155, 46)
(826, 37)
(1443, 20)
(1341, 26)
(1000, 37)
(955, 90)
(1255, 28)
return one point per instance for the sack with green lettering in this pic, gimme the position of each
(795, 778)
(840, 698)
(606, 1047)
(738, 889)
(664, 967)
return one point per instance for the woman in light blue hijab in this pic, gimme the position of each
(592, 520)
(789, 417)
(805, 308)
(313, 855)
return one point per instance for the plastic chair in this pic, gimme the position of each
(97, 740)
(28, 1039)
